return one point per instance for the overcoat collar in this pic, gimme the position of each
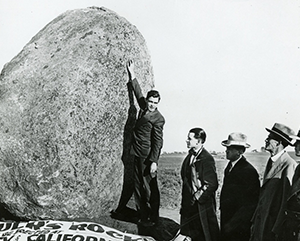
(278, 166)
(197, 158)
(235, 169)
(295, 188)
(200, 154)
(238, 163)
(296, 183)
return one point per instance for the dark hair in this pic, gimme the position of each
(199, 133)
(154, 94)
(284, 143)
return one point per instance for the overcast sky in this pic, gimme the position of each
(223, 65)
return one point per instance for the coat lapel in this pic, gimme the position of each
(238, 164)
(277, 167)
(295, 188)
(232, 170)
(296, 183)
(145, 118)
(200, 155)
(185, 173)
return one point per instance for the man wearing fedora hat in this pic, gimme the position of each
(240, 190)
(292, 223)
(269, 215)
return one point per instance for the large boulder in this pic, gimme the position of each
(64, 110)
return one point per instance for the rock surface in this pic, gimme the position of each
(64, 104)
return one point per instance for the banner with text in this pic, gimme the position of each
(63, 231)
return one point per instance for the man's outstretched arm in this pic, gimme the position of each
(135, 85)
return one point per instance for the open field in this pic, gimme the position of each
(170, 180)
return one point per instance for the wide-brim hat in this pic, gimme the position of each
(236, 139)
(283, 132)
(296, 137)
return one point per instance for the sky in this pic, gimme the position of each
(223, 65)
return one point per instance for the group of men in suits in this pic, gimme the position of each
(239, 194)
(248, 211)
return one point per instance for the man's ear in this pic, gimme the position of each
(279, 142)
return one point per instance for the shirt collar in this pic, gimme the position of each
(276, 157)
(199, 150)
(235, 162)
(193, 157)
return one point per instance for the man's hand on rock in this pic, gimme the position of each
(130, 69)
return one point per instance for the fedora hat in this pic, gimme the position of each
(236, 139)
(283, 132)
(296, 137)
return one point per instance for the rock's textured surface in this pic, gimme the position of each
(63, 108)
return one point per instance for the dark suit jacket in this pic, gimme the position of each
(148, 130)
(206, 173)
(269, 215)
(293, 202)
(238, 200)
(292, 222)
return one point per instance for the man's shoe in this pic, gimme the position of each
(117, 215)
(126, 214)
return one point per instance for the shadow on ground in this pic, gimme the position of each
(164, 230)
(5, 215)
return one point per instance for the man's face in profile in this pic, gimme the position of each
(191, 141)
(232, 153)
(270, 143)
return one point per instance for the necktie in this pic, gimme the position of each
(192, 152)
(228, 168)
(269, 166)
(195, 181)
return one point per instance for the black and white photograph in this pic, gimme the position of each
(173, 120)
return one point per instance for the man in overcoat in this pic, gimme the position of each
(240, 191)
(269, 215)
(292, 223)
(199, 183)
(146, 147)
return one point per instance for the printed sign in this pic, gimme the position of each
(63, 231)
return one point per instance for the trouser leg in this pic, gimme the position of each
(137, 184)
(154, 200)
(146, 191)
(191, 224)
(141, 189)
(128, 185)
